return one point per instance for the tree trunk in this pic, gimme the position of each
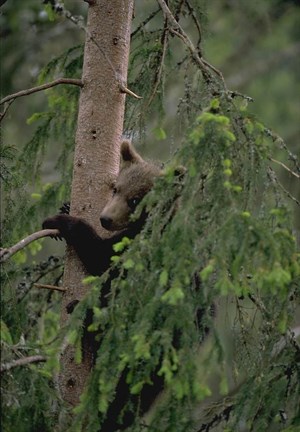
(97, 151)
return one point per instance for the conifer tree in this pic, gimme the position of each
(205, 297)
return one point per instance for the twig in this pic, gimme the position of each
(259, 305)
(236, 93)
(50, 287)
(6, 253)
(2, 115)
(274, 179)
(149, 18)
(285, 167)
(124, 89)
(178, 31)
(22, 362)
(164, 41)
(58, 8)
(192, 12)
(279, 141)
(56, 82)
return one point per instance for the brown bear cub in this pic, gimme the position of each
(135, 180)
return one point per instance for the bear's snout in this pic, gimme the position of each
(106, 222)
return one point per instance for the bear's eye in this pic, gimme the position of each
(114, 191)
(132, 203)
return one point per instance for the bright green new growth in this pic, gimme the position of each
(220, 235)
(203, 242)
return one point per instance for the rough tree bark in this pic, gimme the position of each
(96, 160)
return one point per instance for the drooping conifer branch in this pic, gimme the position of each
(279, 141)
(6, 253)
(158, 75)
(196, 21)
(149, 18)
(285, 167)
(41, 87)
(177, 30)
(2, 115)
(22, 362)
(274, 179)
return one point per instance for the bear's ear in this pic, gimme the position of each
(128, 154)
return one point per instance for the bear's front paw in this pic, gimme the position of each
(52, 223)
(65, 224)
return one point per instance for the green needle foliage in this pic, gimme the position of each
(220, 230)
(206, 295)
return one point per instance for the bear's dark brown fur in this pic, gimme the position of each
(134, 181)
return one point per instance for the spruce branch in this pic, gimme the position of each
(279, 141)
(22, 362)
(220, 410)
(177, 30)
(196, 21)
(8, 104)
(6, 253)
(149, 18)
(285, 167)
(158, 75)
(41, 87)
(274, 179)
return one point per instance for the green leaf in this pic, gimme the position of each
(35, 117)
(20, 257)
(89, 280)
(137, 387)
(36, 196)
(50, 12)
(128, 264)
(163, 278)
(174, 295)
(207, 271)
(72, 336)
(159, 134)
(224, 385)
(5, 333)
(120, 246)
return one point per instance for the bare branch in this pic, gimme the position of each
(124, 89)
(149, 18)
(192, 13)
(22, 362)
(77, 21)
(285, 167)
(56, 82)
(274, 179)
(164, 42)
(280, 142)
(6, 253)
(176, 29)
(2, 115)
(235, 93)
(50, 287)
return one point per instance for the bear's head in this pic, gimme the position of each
(135, 180)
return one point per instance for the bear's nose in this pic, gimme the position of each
(106, 222)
